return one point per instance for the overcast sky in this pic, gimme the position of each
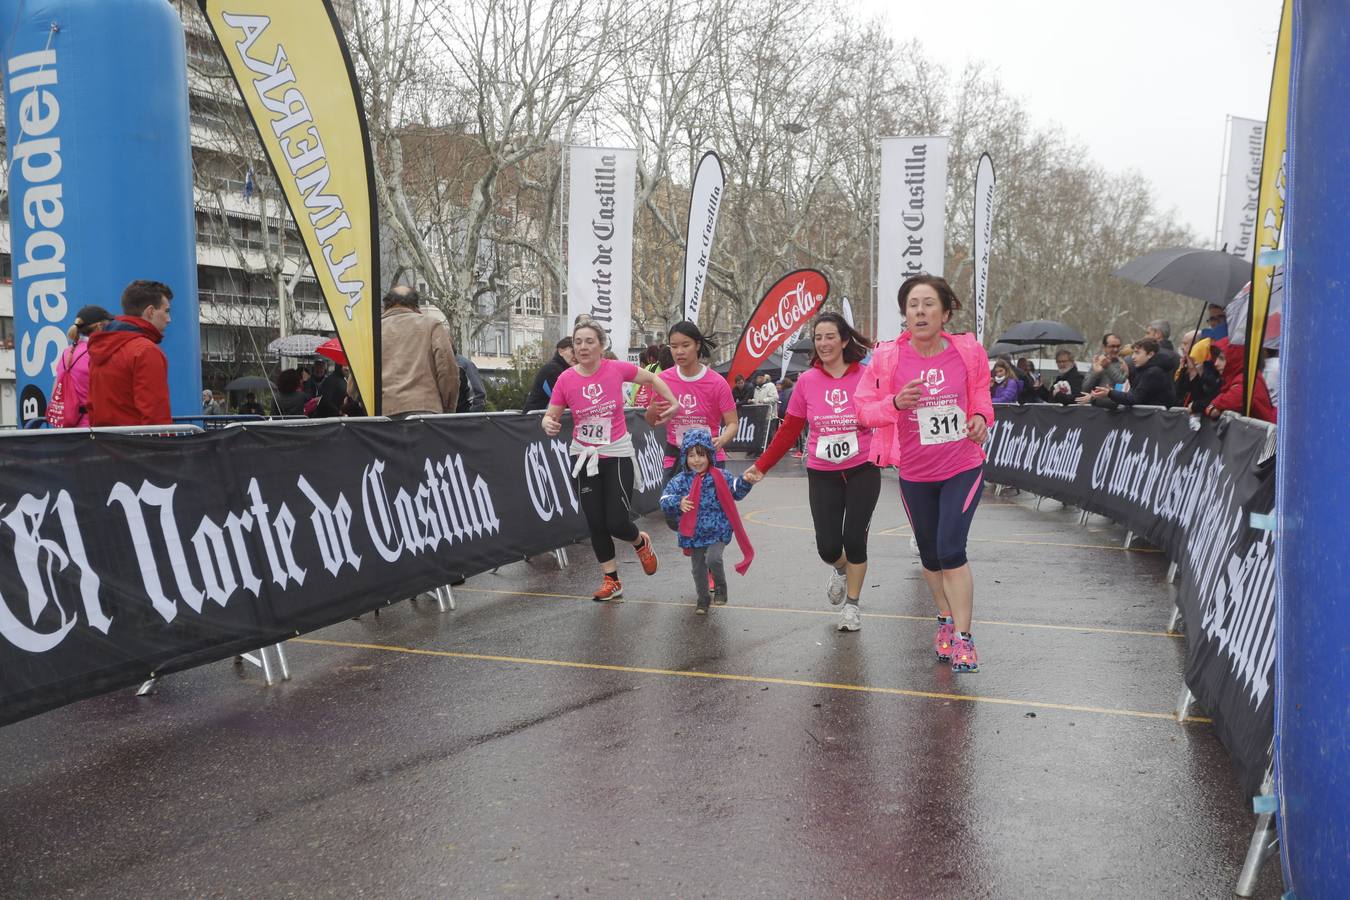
(1143, 84)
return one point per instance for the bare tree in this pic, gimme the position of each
(517, 75)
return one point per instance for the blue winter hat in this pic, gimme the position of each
(700, 436)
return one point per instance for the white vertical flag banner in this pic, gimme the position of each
(600, 241)
(913, 220)
(985, 179)
(705, 199)
(1246, 140)
(848, 312)
(786, 354)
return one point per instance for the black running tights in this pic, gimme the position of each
(841, 509)
(605, 501)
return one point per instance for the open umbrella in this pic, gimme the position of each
(1040, 333)
(1003, 348)
(296, 345)
(1209, 275)
(772, 366)
(249, 383)
(332, 350)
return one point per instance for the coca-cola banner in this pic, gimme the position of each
(1189, 487)
(785, 308)
(600, 240)
(705, 199)
(912, 220)
(122, 556)
(984, 234)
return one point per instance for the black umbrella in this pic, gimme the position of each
(1003, 348)
(1041, 332)
(249, 383)
(1209, 275)
(773, 365)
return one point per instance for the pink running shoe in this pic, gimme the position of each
(942, 641)
(964, 658)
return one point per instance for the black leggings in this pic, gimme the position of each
(841, 509)
(940, 512)
(605, 501)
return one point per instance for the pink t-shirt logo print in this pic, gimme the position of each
(935, 380)
(688, 403)
(837, 398)
(593, 392)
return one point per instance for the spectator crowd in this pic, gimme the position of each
(1205, 375)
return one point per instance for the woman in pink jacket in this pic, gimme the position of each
(75, 359)
(927, 396)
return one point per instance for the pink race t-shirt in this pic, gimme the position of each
(835, 440)
(596, 401)
(931, 438)
(703, 401)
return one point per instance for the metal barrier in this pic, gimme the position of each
(139, 430)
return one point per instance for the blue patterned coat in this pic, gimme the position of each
(711, 525)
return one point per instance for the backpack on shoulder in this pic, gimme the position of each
(62, 410)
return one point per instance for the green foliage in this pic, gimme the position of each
(508, 390)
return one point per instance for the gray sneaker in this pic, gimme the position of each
(851, 620)
(838, 585)
(719, 596)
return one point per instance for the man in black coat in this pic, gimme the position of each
(1066, 383)
(548, 374)
(1151, 382)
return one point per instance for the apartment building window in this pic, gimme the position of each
(529, 305)
(6, 331)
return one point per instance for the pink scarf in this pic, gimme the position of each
(690, 519)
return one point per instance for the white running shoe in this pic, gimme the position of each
(838, 585)
(851, 620)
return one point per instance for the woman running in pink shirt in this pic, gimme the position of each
(927, 395)
(843, 483)
(602, 449)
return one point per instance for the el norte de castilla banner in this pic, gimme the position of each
(912, 220)
(119, 560)
(705, 200)
(295, 75)
(600, 240)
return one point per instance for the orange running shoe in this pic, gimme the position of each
(646, 555)
(610, 589)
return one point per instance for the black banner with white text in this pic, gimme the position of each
(1189, 487)
(123, 556)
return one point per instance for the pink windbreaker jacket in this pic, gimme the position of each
(875, 400)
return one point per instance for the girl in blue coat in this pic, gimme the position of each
(705, 498)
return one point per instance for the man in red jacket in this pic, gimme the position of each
(128, 373)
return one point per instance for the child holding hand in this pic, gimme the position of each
(705, 498)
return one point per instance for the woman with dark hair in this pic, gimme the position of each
(602, 449)
(927, 395)
(842, 483)
(702, 397)
(291, 395)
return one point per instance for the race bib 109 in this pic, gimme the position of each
(837, 448)
(941, 424)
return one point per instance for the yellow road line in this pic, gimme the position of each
(827, 612)
(752, 517)
(754, 679)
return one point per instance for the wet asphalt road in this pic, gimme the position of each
(536, 744)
